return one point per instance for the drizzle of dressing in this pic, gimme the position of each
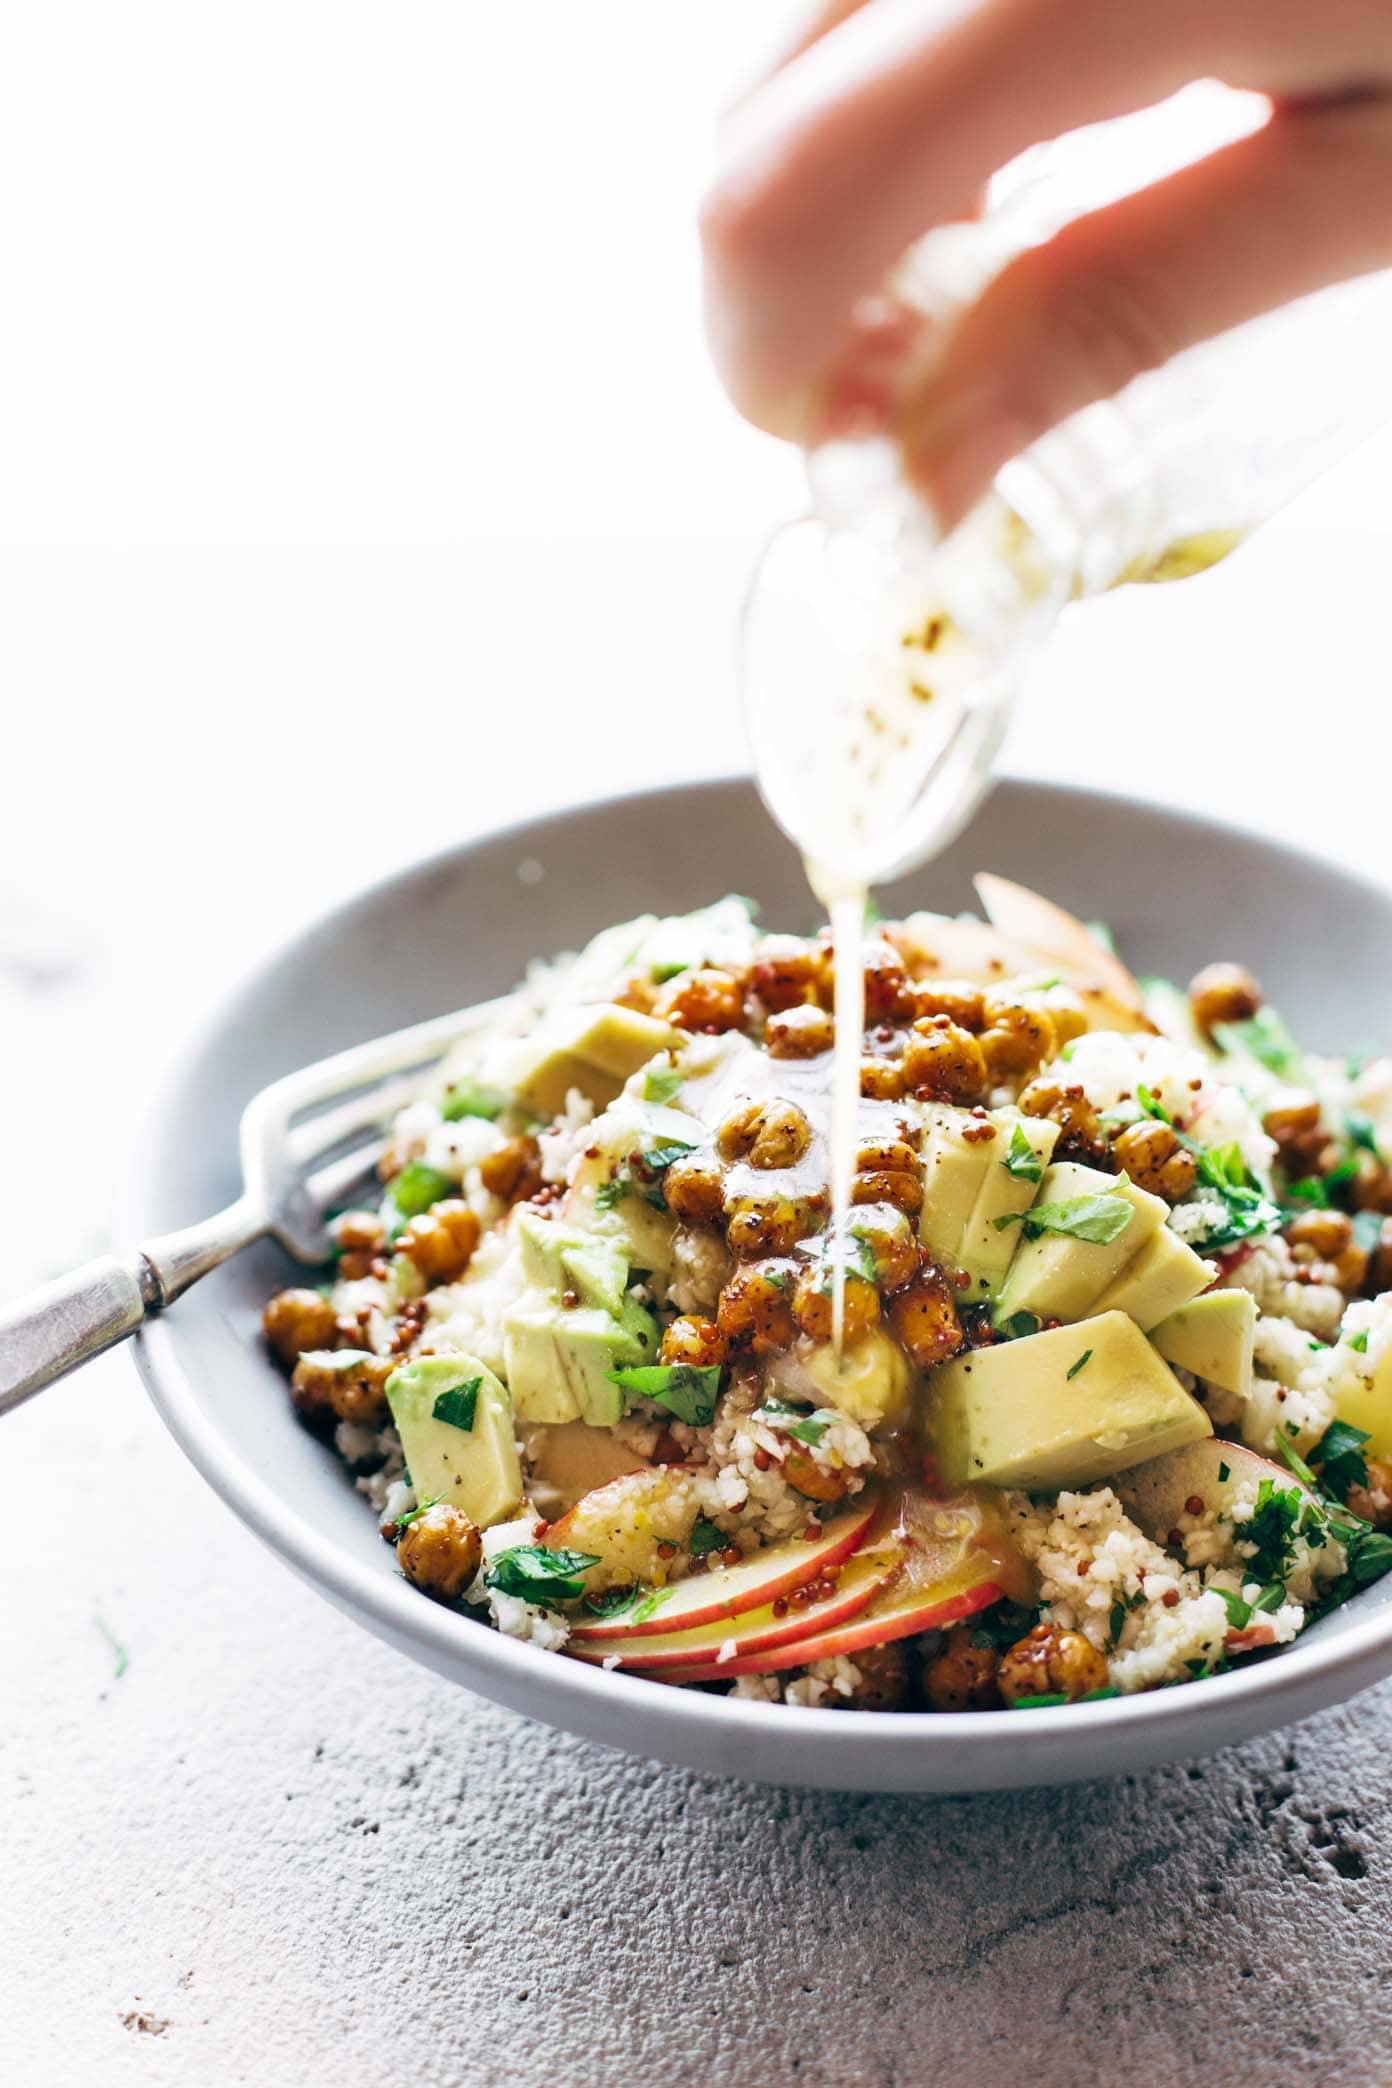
(844, 901)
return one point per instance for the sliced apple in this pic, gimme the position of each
(858, 1581)
(1155, 1493)
(898, 1611)
(1050, 931)
(761, 1580)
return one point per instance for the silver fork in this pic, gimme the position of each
(305, 1141)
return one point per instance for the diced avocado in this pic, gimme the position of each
(558, 1359)
(1156, 1282)
(1059, 1409)
(475, 1467)
(645, 1232)
(954, 1169)
(1019, 1153)
(1367, 1404)
(869, 1383)
(1057, 1276)
(1212, 1336)
(559, 1258)
(592, 1048)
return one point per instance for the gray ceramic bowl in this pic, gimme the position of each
(1176, 890)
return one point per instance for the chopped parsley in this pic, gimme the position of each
(1151, 1104)
(1097, 1219)
(458, 1405)
(404, 1522)
(1019, 1324)
(1338, 1457)
(642, 1171)
(1038, 1703)
(1081, 1364)
(1294, 1460)
(414, 1190)
(635, 1605)
(661, 1083)
(663, 972)
(1021, 1160)
(1224, 1474)
(705, 1538)
(1239, 1612)
(532, 1573)
(1358, 1341)
(792, 1421)
(469, 1098)
(1265, 1038)
(1358, 1129)
(688, 1390)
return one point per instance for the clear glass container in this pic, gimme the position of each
(880, 659)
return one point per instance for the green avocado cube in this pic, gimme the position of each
(456, 1427)
(558, 1359)
(1213, 1337)
(1064, 1408)
(557, 1258)
(1058, 1276)
(1008, 1188)
(954, 1170)
(1156, 1282)
(593, 1048)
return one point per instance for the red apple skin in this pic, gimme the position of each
(790, 1565)
(757, 1631)
(844, 1638)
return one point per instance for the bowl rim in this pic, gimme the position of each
(449, 1640)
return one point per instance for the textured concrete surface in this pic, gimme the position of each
(272, 1852)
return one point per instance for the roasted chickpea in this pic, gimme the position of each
(756, 1310)
(891, 1186)
(888, 994)
(1371, 1187)
(441, 1241)
(296, 1320)
(695, 1189)
(957, 999)
(812, 1303)
(882, 1079)
(1151, 1154)
(799, 1033)
(1299, 1132)
(767, 1134)
(1067, 1014)
(895, 1155)
(883, 1684)
(513, 1169)
(1049, 1661)
(788, 972)
(1327, 1236)
(924, 1318)
(707, 1000)
(943, 1061)
(1081, 1135)
(1018, 1037)
(440, 1551)
(816, 1481)
(762, 1225)
(1379, 1276)
(1374, 1501)
(361, 1238)
(890, 1237)
(1222, 993)
(962, 1677)
(695, 1341)
(350, 1385)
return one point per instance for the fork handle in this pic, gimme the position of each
(47, 1334)
(53, 1330)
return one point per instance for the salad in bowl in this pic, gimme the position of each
(1111, 1404)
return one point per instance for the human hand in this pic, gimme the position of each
(890, 116)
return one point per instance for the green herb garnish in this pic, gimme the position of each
(532, 1573)
(469, 1098)
(1151, 1104)
(457, 1406)
(1081, 1364)
(1224, 1473)
(1338, 1457)
(642, 1171)
(635, 1604)
(119, 1655)
(1265, 1038)
(705, 1537)
(660, 1083)
(404, 1522)
(1019, 1325)
(791, 1420)
(1239, 1612)
(414, 1190)
(1295, 1461)
(1358, 1341)
(1096, 1219)
(688, 1390)
(1021, 1160)
(1038, 1703)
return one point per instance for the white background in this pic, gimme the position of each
(362, 482)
